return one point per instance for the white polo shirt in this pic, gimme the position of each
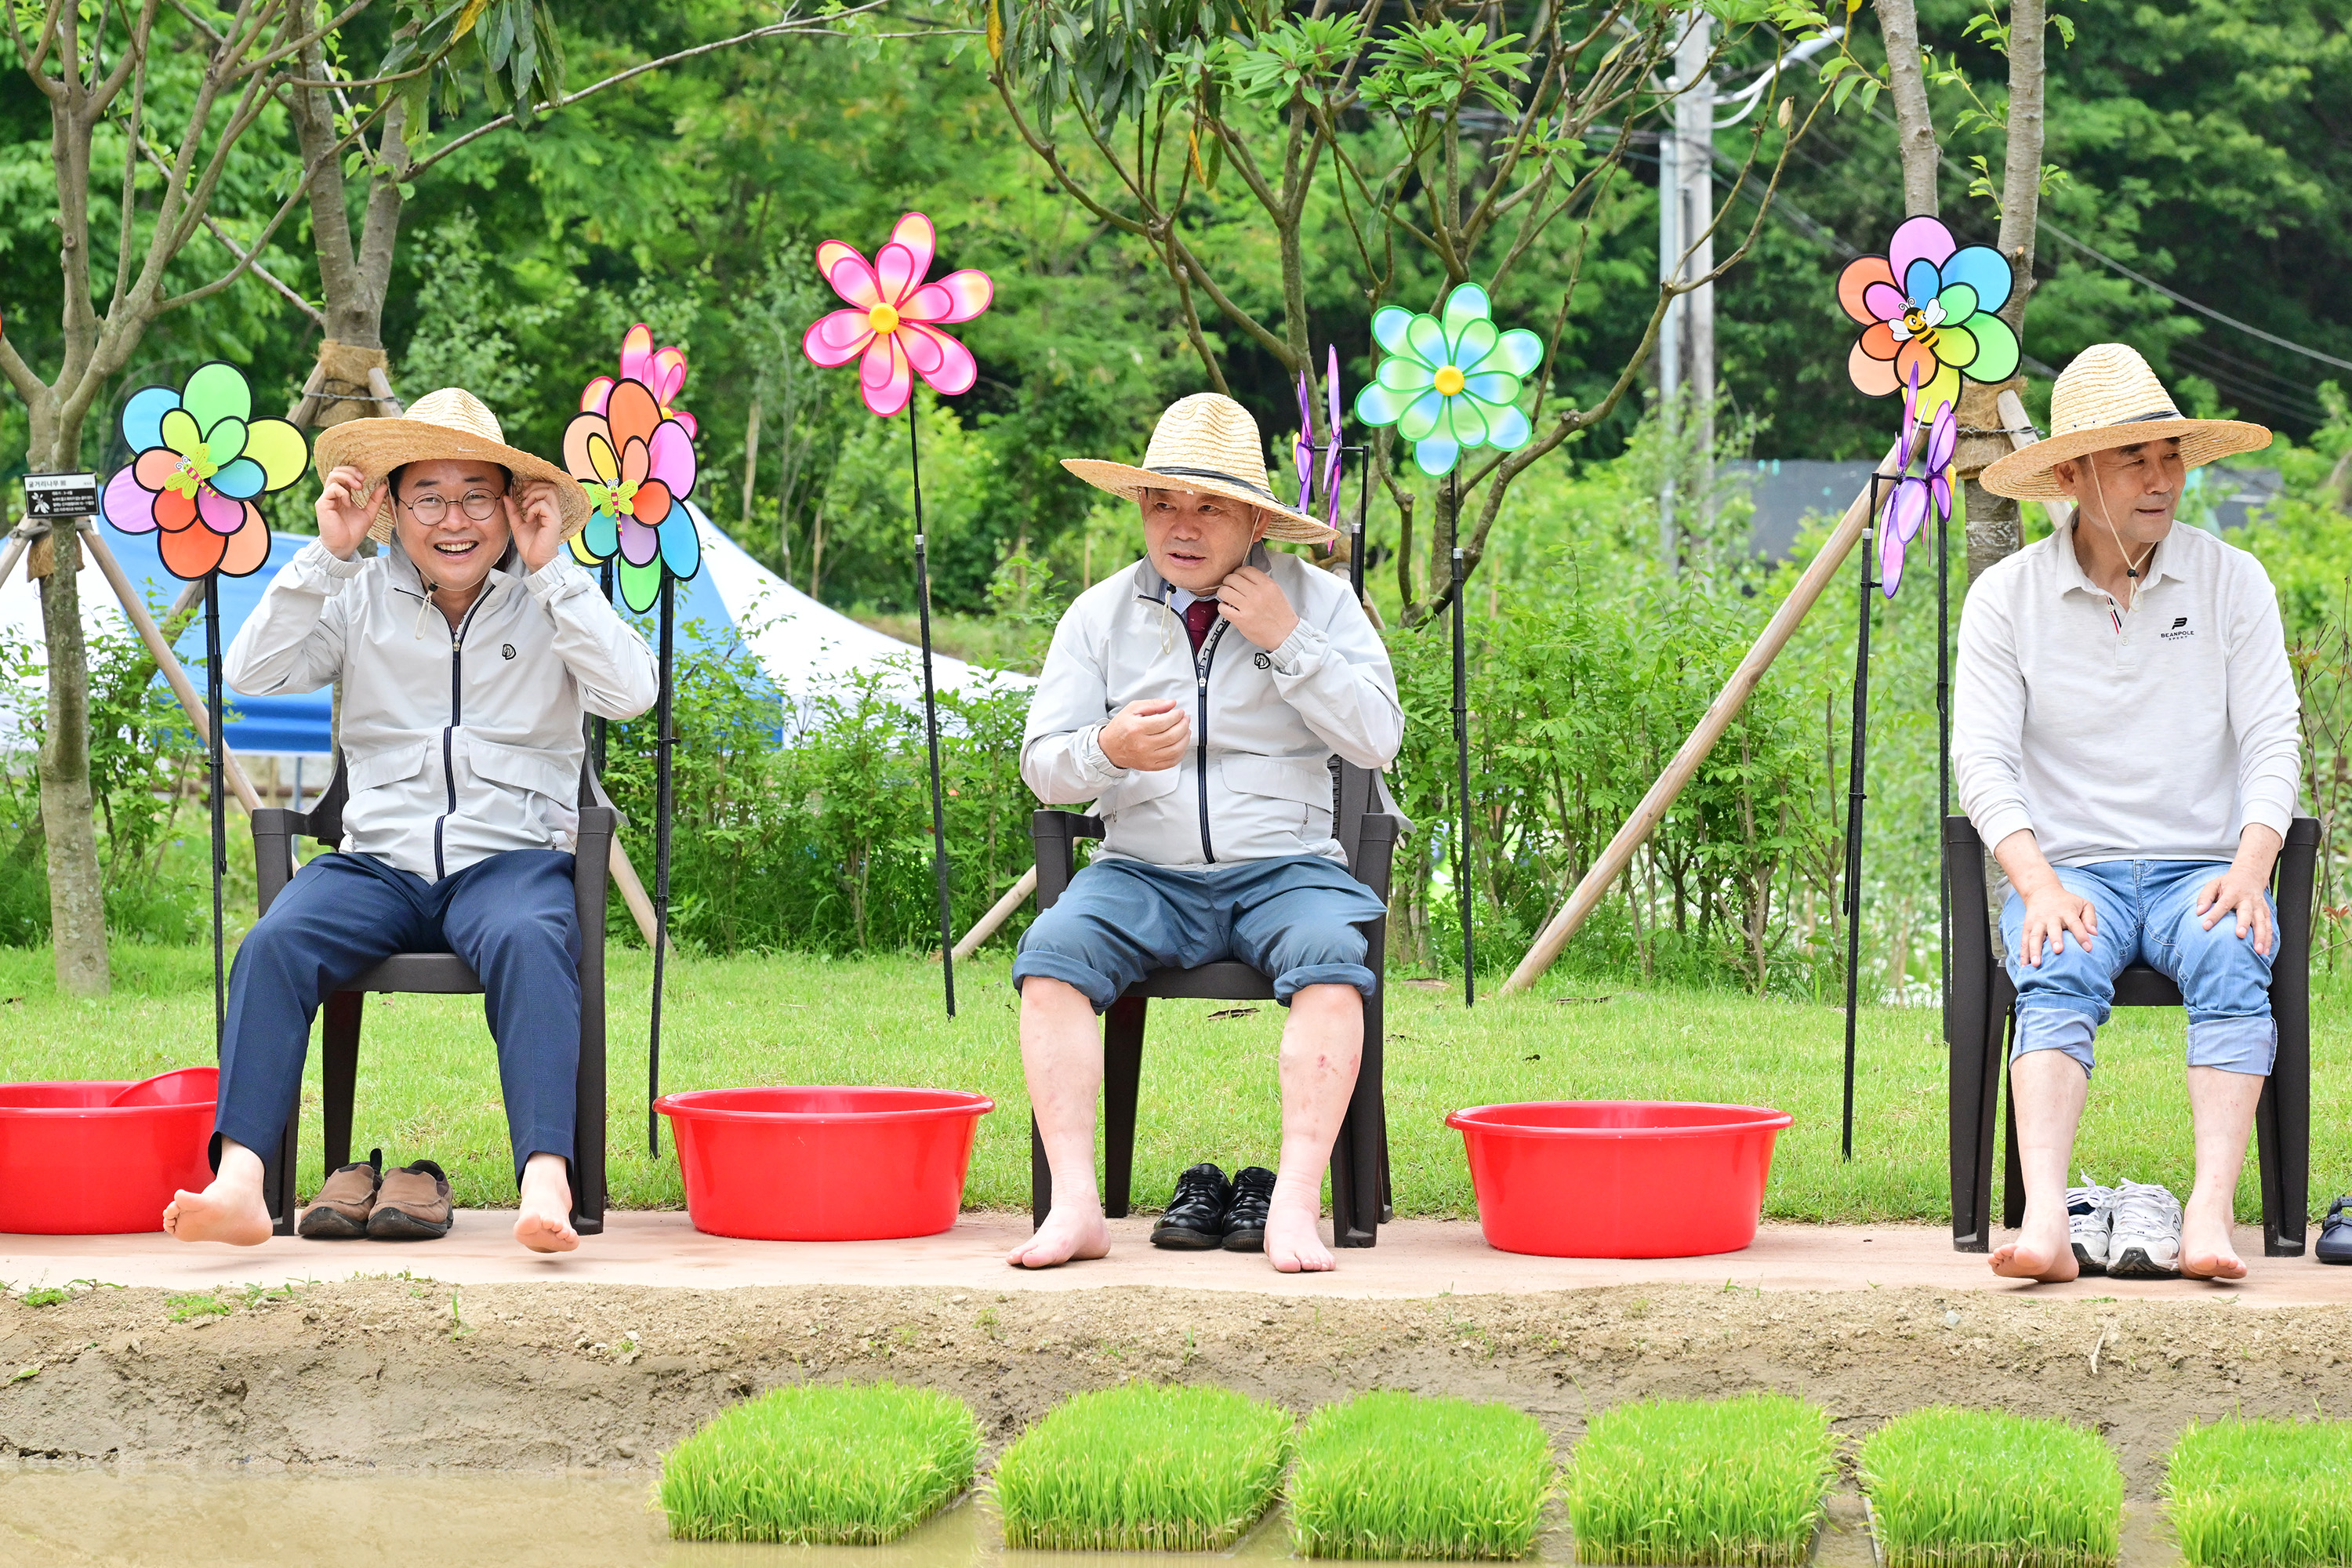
(2158, 741)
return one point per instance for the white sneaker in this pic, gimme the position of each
(2090, 1221)
(2145, 1242)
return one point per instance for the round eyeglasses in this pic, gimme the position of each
(479, 505)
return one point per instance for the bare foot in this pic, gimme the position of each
(1068, 1232)
(231, 1210)
(2206, 1252)
(2041, 1251)
(1292, 1242)
(545, 1223)
(226, 1211)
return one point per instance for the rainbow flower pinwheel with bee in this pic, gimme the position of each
(1926, 313)
(632, 451)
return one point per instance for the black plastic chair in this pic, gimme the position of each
(1360, 1155)
(1980, 1021)
(274, 832)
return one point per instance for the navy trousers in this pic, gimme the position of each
(512, 918)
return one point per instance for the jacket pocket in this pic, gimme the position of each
(1305, 785)
(1136, 788)
(389, 765)
(558, 779)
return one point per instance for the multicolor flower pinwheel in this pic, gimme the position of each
(1926, 309)
(635, 460)
(893, 316)
(1907, 508)
(202, 459)
(662, 370)
(1453, 384)
(1303, 450)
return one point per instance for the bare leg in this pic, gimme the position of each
(2049, 1089)
(545, 1223)
(232, 1209)
(1321, 1047)
(1061, 1055)
(2221, 1107)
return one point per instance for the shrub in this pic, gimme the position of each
(841, 1465)
(1143, 1469)
(1974, 1489)
(1390, 1475)
(2262, 1494)
(1675, 1481)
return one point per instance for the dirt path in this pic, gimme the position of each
(411, 1373)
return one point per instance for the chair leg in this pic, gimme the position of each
(277, 1174)
(1122, 1079)
(1965, 1038)
(338, 1065)
(1041, 1178)
(2283, 1137)
(588, 1116)
(2012, 1173)
(1357, 1174)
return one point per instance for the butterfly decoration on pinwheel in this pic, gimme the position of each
(1927, 312)
(1907, 508)
(633, 452)
(202, 461)
(1450, 382)
(891, 324)
(1304, 451)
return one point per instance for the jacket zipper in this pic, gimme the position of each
(1201, 664)
(449, 732)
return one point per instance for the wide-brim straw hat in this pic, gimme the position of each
(450, 423)
(1207, 444)
(2108, 398)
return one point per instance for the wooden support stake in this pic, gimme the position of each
(632, 893)
(1711, 726)
(999, 912)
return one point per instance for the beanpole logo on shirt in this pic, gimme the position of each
(2179, 630)
(506, 650)
(1264, 661)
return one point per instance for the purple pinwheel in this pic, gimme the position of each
(1303, 450)
(1907, 508)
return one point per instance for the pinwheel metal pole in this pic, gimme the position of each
(1943, 751)
(931, 720)
(1363, 503)
(663, 740)
(1461, 893)
(1856, 795)
(219, 763)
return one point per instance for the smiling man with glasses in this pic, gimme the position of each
(470, 653)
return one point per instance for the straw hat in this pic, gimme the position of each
(1209, 445)
(2108, 398)
(450, 423)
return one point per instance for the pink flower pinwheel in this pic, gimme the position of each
(1907, 506)
(893, 316)
(662, 372)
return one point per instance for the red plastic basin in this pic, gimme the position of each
(823, 1165)
(1619, 1178)
(72, 1165)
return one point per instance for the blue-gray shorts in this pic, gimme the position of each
(1293, 918)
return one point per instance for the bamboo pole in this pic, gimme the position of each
(998, 913)
(1711, 726)
(169, 663)
(632, 893)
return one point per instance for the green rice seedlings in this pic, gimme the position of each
(2262, 1494)
(1390, 1475)
(1977, 1489)
(1737, 1482)
(1143, 1469)
(847, 1466)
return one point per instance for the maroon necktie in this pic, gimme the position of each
(1198, 615)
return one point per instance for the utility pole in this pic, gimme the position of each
(1686, 336)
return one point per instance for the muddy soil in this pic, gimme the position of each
(411, 1374)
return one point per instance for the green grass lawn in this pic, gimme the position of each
(428, 1079)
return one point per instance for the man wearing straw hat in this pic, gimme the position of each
(2124, 735)
(1197, 698)
(469, 651)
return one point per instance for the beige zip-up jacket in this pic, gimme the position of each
(1256, 782)
(457, 743)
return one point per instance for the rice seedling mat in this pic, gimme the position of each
(1142, 1467)
(1735, 1482)
(1978, 1488)
(840, 1465)
(1393, 1475)
(2262, 1494)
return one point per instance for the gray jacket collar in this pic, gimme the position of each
(1150, 585)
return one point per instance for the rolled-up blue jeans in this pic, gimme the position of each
(2147, 914)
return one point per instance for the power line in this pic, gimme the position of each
(2179, 299)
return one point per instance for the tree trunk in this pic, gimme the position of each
(353, 277)
(76, 887)
(1898, 24)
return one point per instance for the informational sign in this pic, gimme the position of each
(61, 495)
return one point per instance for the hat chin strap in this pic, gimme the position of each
(2131, 568)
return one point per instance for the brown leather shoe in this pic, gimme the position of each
(414, 1204)
(342, 1209)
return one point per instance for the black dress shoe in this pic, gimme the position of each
(1245, 1215)
(1195, 1220)
(2335, 1233)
